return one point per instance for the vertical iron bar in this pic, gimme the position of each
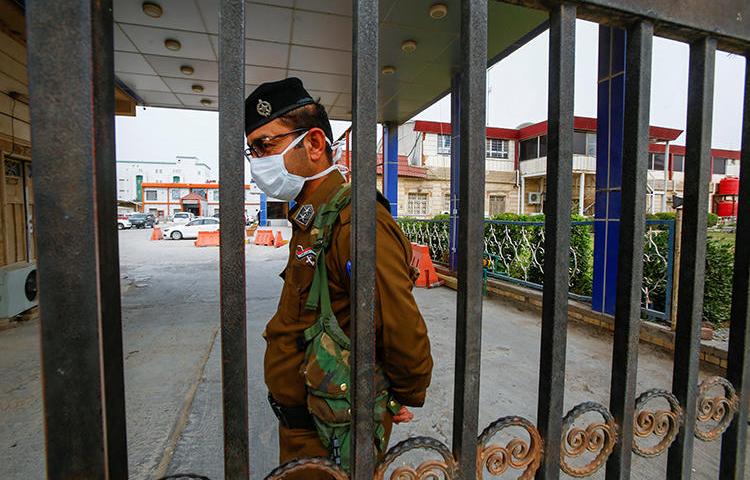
(106, 209)
(232, 238)
(632, 230)
(557, 235)
(734, 440)
(62, 94)
(470, 234)
(692, 259)
(455, 169)
(364, 128)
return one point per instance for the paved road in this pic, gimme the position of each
(172, 367)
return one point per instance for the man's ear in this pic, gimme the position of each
(315, 143)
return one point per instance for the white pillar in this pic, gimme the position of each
(582, 184)
(666, 177)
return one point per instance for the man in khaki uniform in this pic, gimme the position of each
(289, 138)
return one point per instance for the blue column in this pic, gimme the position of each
(609, 140)
(263, 218)
(390, 165)
(455, 155)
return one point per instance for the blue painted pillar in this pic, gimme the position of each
(263, 218)
(390, 165)
(609, 140)
(455, 156)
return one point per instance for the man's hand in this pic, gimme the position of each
(403, 416)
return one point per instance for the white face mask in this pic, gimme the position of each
(271, 175)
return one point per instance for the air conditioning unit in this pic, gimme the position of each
(18, 291)
(535, 198)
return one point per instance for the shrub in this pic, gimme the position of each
(718, 281)
(713, 219)
(442, 216)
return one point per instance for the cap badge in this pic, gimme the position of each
(263, 108)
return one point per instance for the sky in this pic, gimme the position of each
(517, 93)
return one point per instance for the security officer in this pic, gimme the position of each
(289, 138)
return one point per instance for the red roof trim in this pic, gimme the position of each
(445, 129)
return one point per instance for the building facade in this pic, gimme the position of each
(516, 168)
(132, 174)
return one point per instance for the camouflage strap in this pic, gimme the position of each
(326, 320)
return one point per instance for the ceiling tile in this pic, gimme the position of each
(194, 101)
(170, 67)
(323, 81)
(264, 54)
(182, 85)
(143, 82)
(127, 62)
(249, 89)
(177, 14)
(326, 98)
(321, 30)
(262, 22)
(258, 75)
(320, 60)
(338, 113)
(161, 98)
(340, 7)
(279, 3)
(344, 100)
(151, 40)
(121, 41)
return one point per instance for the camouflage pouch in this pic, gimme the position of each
(326, 368)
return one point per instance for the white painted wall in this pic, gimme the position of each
(189, 169)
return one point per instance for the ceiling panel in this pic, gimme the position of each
(177, 14)
(122, 42)
(323, 81)
(321, 30)
(151, 40)
(265, 54)
(326, 98)
(339, 7)
(170, 67)
(181, 85)
(258, 75)
(143, 82)
(161, 98)
(262, 22)
(320, 60)
(128, 62)
(194, 101)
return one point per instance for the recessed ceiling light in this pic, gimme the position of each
(152, 9)
(408, 46)
(187, 70)
(388, 70)
(172, 44)
(197, 88)
(438, 11)
(206, 102)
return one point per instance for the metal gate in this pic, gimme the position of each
(72, 80)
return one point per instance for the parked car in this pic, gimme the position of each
(123, 222)
(182, 217)
(142, 220)
(191, 229)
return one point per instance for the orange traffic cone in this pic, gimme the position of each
(279, 240)
(421, 260)
(156, 234)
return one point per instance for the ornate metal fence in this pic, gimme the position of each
(514, 252)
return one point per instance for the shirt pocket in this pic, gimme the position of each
(297, 281)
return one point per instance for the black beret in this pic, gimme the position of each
(272, 100)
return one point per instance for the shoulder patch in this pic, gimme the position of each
(304, 215)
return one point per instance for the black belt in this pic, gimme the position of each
(292, 417)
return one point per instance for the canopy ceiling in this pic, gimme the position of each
(310, 39)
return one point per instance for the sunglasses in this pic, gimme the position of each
(260, 147)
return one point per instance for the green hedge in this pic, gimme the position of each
(717, 294)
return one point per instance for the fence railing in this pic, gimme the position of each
(514, 252)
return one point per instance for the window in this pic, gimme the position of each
(417, 204)
(720, 166)
(447, 202)
(215, 195)
(543, 146)
(176, 179)
(530, 149)
(150, 195)
(657, 162)
(497, 148)
(591, 144)
(584, 143)
(678, 163)
(200, 191)
(444, 144)
(176, 194)
(497, 204)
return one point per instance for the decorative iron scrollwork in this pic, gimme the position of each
(517, 454)
(715, 413)
(663, 424)
(598, 438)
(315, 464)
(441, 469)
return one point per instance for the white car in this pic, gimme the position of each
(182, 217)
(123, 222)
(191, 229)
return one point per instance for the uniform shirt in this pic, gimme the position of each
(403, 348)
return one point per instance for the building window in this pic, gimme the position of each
(176, 194)
(657, 162)
(417, 204)
(529, 149)
(150, 195)
(176, 179)
(447, 202)
(543, 146)
(678, 163)
(584, 143)
(444, 144)
(215, 195)
(497, 148)
(497, 204)
(720, 166)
